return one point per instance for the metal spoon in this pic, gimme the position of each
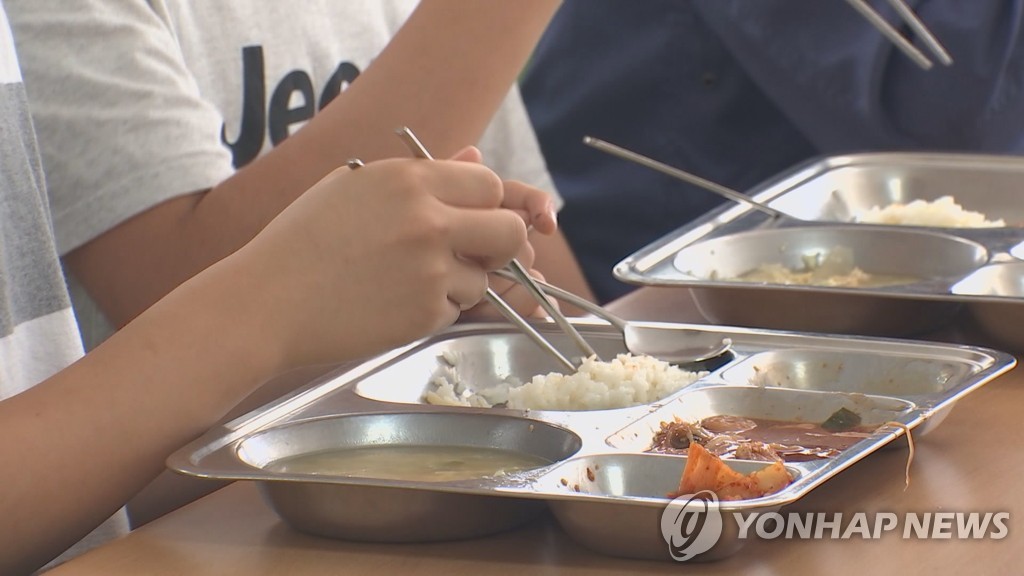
(675, 345)
(684, 176)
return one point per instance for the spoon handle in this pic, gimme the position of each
(532, 285)
(680, 175)
(574, 299)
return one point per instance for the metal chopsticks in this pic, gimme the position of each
(915, 24)
(524, 278)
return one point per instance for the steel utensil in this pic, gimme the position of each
(522, 276)
(673, 344)
(512, 316)
(907, 15)
(682, 175)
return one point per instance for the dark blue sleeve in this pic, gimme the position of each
(845, 86)
(737, 91)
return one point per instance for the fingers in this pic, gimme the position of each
(517, 296)
(489, 237)
(525, 258)
(462, 184)
(468, 154)
(468, 213)
(533, 204)
(398, 245)
(467, 284)
(521, 301)
(486, 235)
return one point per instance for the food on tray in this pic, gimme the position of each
(836, 268)
(626, 380)
(842, 420)
(705, 471)
(779, 274)
(423, 463)
(761, 439)
(943, 212)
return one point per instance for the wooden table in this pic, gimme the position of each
(969, 464)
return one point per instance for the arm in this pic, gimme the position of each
(90, 418)
(171, 490)
(177, 368)
(461, 58)
(536, 208)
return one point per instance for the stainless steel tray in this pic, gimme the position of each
(953, 267)
(602, 486)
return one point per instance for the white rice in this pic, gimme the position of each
(624, 381)
(943, 212)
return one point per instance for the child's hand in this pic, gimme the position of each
(537, 210)
(371, 259)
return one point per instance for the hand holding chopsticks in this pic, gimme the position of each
(523, 277)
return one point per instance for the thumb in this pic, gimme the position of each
(468, 154)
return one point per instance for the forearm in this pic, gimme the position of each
(171, 490)
(149, 389)
(444, 74)
(302, 293)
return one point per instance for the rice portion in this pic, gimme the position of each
(625, 381)
(943, 212)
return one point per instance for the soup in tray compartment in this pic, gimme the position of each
(422, 463)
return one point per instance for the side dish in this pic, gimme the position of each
(759, 439)
(705, 471)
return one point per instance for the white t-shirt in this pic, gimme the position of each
(38, 336)
(140, 101)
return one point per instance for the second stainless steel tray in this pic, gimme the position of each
(949, 267)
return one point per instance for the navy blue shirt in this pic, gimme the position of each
(737, 91)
